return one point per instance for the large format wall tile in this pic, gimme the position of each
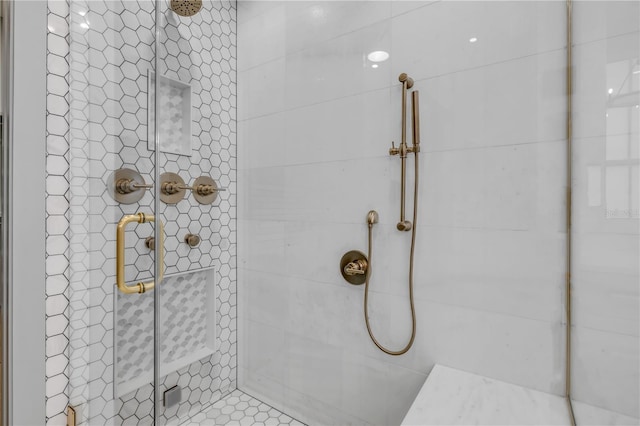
(489, 268)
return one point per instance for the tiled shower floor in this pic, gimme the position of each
(238, 408)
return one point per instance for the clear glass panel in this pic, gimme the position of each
(195, 87)
(606, 264)
(111, 333)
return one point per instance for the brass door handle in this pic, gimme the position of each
(140, 287)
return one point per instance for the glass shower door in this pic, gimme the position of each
(196, 111)
(113, 232)
(151, 240)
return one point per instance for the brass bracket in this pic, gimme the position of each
(140, 287)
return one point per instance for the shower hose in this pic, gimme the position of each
(411, 255)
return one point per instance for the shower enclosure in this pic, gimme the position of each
(183, 264)
(144, 98)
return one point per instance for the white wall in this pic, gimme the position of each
(315, 123)
(25, 220)
(606, 186)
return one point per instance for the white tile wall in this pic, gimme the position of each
(316, 121)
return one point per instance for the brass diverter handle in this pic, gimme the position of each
(357, 267)
(139, 287)
(354, 267)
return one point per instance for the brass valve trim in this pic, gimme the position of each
(172, 188)
(127, 186)
(354, 267)
(205, 190)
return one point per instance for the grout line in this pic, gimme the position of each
(423, 151)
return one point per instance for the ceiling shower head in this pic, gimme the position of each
(186, 7)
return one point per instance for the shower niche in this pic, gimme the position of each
(187, 328)
(174, 112)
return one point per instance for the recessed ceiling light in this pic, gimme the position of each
(473, 39)
(378, 56)
(610, 91)
(374, 66)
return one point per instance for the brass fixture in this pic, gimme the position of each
(205, 190)
(150, 242)
(192, 239)
(407, 83)
(354, 267)
(403, 224)
(140, 287)
(186, 7)
(172, 189)
(127, 186)
(71, 416)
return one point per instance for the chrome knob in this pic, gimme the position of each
(192, 239)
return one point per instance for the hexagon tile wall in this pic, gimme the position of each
(99, 55)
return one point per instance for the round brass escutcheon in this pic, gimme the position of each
(126, 186)
(205, 190)
(172, 188)
(354, 267)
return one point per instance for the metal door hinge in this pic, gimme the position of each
(71, 416)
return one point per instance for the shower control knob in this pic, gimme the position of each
(150, 242)
(393, 150)
(192, 239)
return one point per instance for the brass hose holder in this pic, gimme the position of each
(140, 287)
(354, 267)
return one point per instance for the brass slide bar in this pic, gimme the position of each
(140, 287)
(415, 109)
(407, 83)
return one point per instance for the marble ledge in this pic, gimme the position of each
(453, 397)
